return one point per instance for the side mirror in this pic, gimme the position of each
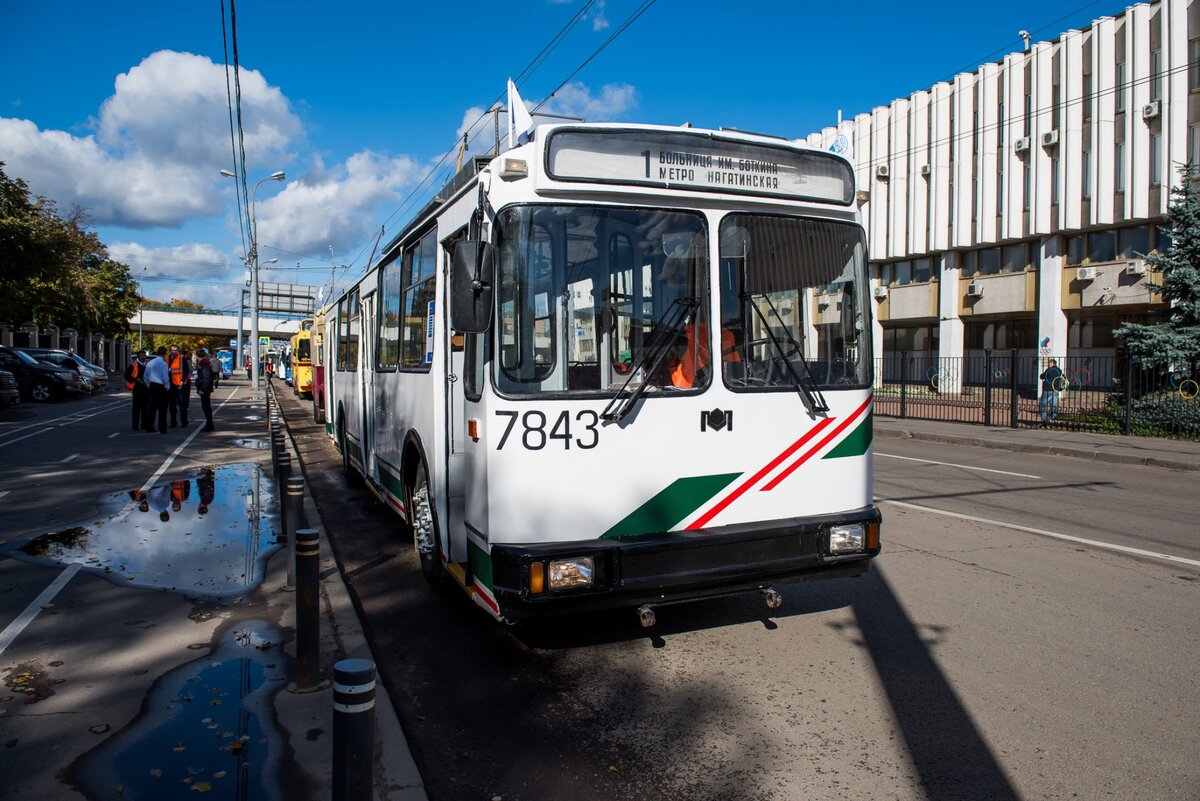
(472, 277)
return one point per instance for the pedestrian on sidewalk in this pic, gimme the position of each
(205, 383)
(156, 379)
(1049, 399)
(133, 382)
(180, 391)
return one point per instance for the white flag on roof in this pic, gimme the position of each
(519, 121)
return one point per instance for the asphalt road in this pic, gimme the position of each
(983, 659)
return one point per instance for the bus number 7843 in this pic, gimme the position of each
(535, 437)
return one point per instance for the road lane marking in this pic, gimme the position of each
(53, 420)
(27, 436)
(81, 418)
(114, 434)
(69, 458)
(1042, 532)
(4, 492)
(25, 618)
(952, 464)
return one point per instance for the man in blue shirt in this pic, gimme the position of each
(157, 378)
(1052, 381)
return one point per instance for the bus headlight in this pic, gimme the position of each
(846, 539)
(566, 573)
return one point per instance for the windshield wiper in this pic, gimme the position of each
(811, 395)
(666, 330)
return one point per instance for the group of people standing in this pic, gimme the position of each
(162, 385)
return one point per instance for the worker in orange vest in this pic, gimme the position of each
(133, 382)
(695, 357)
(180, 393)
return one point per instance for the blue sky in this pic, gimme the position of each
(120, 108)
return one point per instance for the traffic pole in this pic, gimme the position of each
(354, 730)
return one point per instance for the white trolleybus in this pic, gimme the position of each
(619, 365)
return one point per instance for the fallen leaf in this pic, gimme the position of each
(156, 772)
(202, 787)
(220, 774)
(180, 747)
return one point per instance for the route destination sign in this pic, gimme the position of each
(699, 161)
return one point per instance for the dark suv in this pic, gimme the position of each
(40, 381)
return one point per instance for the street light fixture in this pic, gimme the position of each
(253, 264)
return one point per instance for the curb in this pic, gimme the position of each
(396, 774)
(1051, 450)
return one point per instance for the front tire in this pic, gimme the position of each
(42, 392)
(424, 528)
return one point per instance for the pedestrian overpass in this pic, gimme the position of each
(210, 322)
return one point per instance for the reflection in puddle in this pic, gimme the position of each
(202, 731)
(252, 444)
(253, 417)
(207, 536)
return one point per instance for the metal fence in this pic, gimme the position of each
(1012, 388)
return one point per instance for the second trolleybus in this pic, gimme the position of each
(619, 365)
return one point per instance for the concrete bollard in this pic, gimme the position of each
(308, 608)
(294, 504)
(354, 730)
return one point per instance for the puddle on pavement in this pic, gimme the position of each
(207, 727)
(208, 535)
(252, 444)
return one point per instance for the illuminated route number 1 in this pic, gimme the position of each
(534, 435)
(646, 153)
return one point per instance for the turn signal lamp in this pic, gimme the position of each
(872, 536)
(473, 429)
(537, 578)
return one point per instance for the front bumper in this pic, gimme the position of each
(679, 565)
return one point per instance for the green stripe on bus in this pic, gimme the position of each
(355, 450)
(391, 482)
(481, 564)
(857, 443)
(329, 429)
(666, 509)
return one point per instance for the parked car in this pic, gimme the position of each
(40, 381)
(93, 377)
(10, 393)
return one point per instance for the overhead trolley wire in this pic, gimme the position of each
(232, 135)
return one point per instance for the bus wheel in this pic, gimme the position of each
(424, 528)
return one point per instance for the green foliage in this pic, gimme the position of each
(53, 270)
(1158, 414)
(1176, 341)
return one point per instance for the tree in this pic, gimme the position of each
(53, 270)
(1175, 342)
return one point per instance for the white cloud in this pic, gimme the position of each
(334, 206)
(159, 141)
(576, 100)
(194, 260)
(599, 21)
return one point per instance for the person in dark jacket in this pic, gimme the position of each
(205, 383)
(1051, 383)
(156, 377)
(133, 382)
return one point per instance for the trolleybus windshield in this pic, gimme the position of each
(793, 303)
(585, 291)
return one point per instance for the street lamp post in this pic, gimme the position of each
(253, 260)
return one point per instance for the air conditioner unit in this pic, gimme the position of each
(882, 172)
(1022, 145)
(1136, 267)
(1151, 110)
(1050, 139)
(880, 292)
(926, 170)
(975, 289)
(1085, 274)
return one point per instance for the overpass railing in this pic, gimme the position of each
(224, 312)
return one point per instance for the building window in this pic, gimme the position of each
(1054, 181)
(969, 263)
(1002, 123)
(1194, 146)
(1014, 258)
(1091, 333)
(1120, 87)
(989, 261)
(1025, 186)
(885, 274)
(1156, 158)
(1087, 96)
(1194, 64)
(1155, 75)
(920, 271)
(903, 272)
(1087, 174)
(1028, 113)
(1133, 242)
(1102, 246)
(1075, 252)
(1000, 334)
(1119, 167)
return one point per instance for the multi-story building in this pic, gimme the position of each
(1012, 206)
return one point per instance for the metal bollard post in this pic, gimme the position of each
(308, 608)
(285, 470)
(294, 504)
(354, 730)
(277, 446)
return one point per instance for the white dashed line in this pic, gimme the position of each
(951, 464)
(25, 618)
(69, 458)
(114, 434)
(4, 492)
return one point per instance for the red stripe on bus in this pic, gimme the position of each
(816, 448)
(703, 520)
(491, 604)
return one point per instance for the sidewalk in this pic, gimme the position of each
(1151, 451)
